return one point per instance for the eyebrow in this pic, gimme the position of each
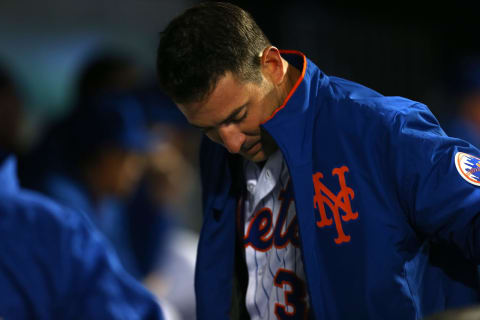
(230, 118)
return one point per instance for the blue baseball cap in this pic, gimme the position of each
(111, 120)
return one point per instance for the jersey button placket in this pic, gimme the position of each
(268, 174)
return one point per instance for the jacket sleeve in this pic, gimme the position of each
(103, 289)
(441, 204)
(54, 264)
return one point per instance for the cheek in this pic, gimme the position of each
(214, 137)
(270, 102)
(251, 125)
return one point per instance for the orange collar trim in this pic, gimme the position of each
(294, 88)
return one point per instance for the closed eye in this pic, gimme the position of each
(230, 119)
(241, 118)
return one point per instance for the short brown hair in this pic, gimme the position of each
(203, 44)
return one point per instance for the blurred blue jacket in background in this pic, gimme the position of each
(55, 265)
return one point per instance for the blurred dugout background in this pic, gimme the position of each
(402, 48)
(424, 53)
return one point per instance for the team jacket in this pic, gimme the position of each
(387, 205)
(55, 265)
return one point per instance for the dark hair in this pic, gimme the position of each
(106, 71)
(203, 44)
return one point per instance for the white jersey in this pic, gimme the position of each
(276, 279)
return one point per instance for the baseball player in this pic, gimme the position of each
(322, 198)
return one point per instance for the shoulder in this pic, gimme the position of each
(39, 240)
(351, 101)
(355, 94)
(32, 213)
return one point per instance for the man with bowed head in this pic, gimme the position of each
(322, 198)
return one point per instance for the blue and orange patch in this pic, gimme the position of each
(468, 167)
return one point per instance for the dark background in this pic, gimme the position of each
(397, 48)
(404, 48)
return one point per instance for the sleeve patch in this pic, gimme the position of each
(468, 167)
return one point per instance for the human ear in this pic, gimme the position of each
(272, 65)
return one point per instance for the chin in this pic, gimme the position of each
(258, 157)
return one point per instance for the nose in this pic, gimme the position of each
(232, 138)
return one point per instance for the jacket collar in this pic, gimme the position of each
(291, 124)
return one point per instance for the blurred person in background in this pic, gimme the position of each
(171, 187)
(108, 158)
(107, 152)
(54, 264)
(173, 157)
(102, 166)
(466, 88)
(107, 71)
(104, 71)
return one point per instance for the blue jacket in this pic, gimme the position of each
(389, 226)
(55, 265)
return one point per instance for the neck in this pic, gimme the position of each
(291, 76)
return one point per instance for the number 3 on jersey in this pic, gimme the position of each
(294, 296)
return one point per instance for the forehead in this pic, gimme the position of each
(228, 94)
